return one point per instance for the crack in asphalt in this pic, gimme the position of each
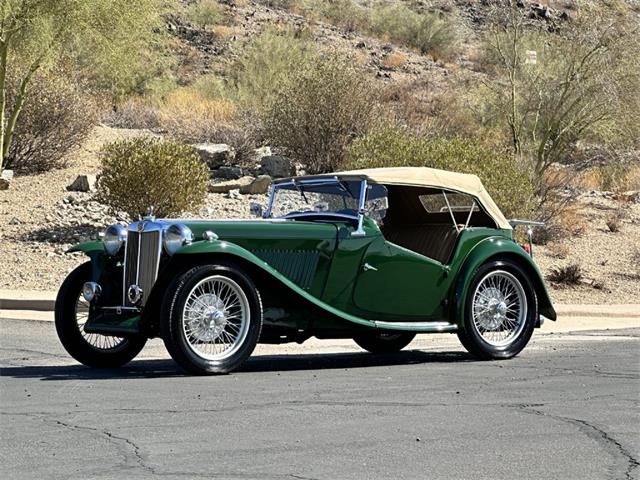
(132, 452)
(38, 352)
(624, 461)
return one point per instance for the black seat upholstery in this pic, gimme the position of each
(433, 241)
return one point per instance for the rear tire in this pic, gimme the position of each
(91, 349)
(384, 342)
(212, 319)
(500, 311)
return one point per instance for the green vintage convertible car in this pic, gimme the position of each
(375, 255)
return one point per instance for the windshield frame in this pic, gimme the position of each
(296, 183)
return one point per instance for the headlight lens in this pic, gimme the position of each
(176, 236)
(114, 238)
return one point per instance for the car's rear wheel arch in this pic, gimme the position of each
(466, 274)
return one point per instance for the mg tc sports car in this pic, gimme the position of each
(376, 256)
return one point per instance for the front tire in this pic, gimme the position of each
(384, 342)
(91, 349)
(212, 318)
(500, 311)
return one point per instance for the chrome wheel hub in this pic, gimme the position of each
(215, 318)
(499, 308)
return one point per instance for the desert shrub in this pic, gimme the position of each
(144, 172)
(318, 112)
(267, 64)
(134, 112)
(569, 275)
(614, 222)
(562, 222)
(510, 186)
(341, 13)
(427, 32)
(186, 114)
(206, 13)
(56, 117)
(394, 60)
(613, 176)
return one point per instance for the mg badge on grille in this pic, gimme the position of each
(141, 227)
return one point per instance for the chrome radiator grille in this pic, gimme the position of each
(142, 260)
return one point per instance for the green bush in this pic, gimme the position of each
(206, 13)
(267, 64)
(342, 13)
(317, 113)
(427, 32)
(143, 172)
(510, 186)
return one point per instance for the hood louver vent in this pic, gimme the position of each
(298, 266)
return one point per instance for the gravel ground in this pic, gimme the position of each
(610, 261)
(40, 219)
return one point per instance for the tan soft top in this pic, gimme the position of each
(432, 177)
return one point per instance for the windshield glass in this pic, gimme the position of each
(313, 197)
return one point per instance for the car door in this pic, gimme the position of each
(395, 283)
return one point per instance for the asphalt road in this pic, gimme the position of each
(566, 408)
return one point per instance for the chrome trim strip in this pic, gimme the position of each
(315, 214)
(124, 269)
(124, 308)
(433, 326)
(513, 222)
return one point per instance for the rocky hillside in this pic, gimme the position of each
(42, 215)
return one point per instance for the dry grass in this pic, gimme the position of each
(135, 112)
(566, 222)
(394, 60)
(223, 31)
(188, 115)
(588, 180)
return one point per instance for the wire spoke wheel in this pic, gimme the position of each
(95, 340)
(499, 309)
(215, 318)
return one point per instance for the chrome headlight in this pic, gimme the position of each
(113, 239)
(176, 236)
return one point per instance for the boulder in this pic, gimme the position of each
(277, 166)
(228, 173)
(259, 186)
(215, 155)
(83, 183)
(228, 185)
(234, 194)
(5, 179)
(260, 153)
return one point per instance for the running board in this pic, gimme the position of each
(417, 326)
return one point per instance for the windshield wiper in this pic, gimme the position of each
(299, 189)
(344, 186)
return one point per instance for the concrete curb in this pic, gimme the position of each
(27, 300)
(630, 310)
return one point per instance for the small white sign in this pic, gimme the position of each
(532, 57)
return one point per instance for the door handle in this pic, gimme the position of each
(366, 267)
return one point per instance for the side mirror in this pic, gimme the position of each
(256, 209)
